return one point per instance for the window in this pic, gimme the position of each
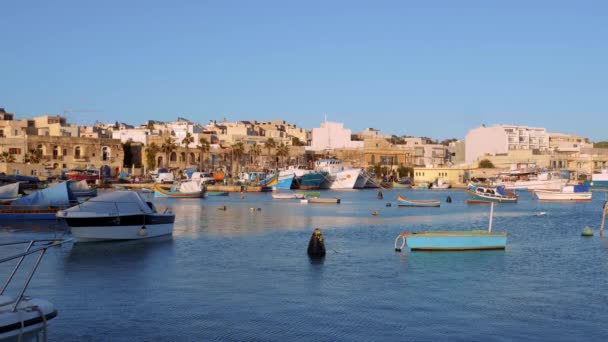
(77, 152)
(105, 153)
(13, 150)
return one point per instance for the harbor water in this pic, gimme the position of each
(243, 274)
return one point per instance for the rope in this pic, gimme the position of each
(37, 309)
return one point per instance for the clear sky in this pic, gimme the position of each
(427, 68)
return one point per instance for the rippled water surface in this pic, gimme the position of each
(243, 275)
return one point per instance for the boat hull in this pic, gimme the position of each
(130, 232)
(404, 202)
(216, 193)
(556, 196)
(552, 184)
(345, 179)
(474, 197)
(160, 192)
(455, 241)
(597, 184)
(26, 323)
(285, 181)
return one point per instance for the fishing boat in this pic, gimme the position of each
(311, 180)
(453, 240)
(25, 318)
(40, 205)
(285, 180)
(362, 180)
(405, 202)
(422, 186)
(520, 180)
(117, 215)
(9, 193)
(82, 189)
(216, 193)
(486, 194)
(338, 175)
(190, 189)
(270, 182)
(288, 196)
(570, 193)
(598, 180)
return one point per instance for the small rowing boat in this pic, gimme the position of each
(185, 191)
(216, 193)
(405, 202)
(320, 200)
(288, 196)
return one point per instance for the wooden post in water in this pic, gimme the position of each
(491, 217)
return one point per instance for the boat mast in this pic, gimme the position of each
(491, 216)
(604, 218)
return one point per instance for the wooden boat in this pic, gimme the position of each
(325, 200)
(311, 193)
(288, 196)
(576, 193)
(160, 191)
(453, 241)
(89, 175)
(404, 202)
(216, 193)
(396, 185)
(270, 183)
(489, 194)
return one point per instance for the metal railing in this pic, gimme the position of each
(21, 257)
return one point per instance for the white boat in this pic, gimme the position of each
(568, 193)
(361, 180)
(118, 215)
(531, 181)
(440, 185)
(23, 318)
(339, 176)
(288, 196)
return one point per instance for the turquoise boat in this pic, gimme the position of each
(311, 181)
(217, 193)
(453, 241)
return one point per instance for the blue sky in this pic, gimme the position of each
(428, 68)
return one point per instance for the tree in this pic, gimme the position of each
(188, 139)
(128, 154)
(34, 156)
(151, 152)
(601, 144)
(269, 144)
(486, 164)
(150, 126)
(238, 150)
(6, 157)
(204, 147)
(255, 151)
(295, 141)
(282, 152)
(404, 171)
(167, 147)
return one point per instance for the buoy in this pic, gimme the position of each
(142, 231)
(542, 213)
(316, 245)
(252, 209)
(587, 232)
(242, 196)
(222, 208)
(449, 199)
(375, 213)
(388, 204)
(380, 196)
(259, 209)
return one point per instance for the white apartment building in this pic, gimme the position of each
(501, 139)
(332, 135)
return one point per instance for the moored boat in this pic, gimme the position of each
(323, 200)
(598, 180)
(270, 182)
(285, 180)
(9, 193)
(217, 193)
(545, 180)
(191, 189)
(403, 184)
(89, 175)
(40, 205)
(117, 215)
(288, 196)
(339, 176)
(312, 180)
(486, 194)
(571, 193)
(453, 240)
(82, 189)
(440, 185)
(405, 202)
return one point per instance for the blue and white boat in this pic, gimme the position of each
(270, 182)
(598, 180)
(9, 193)
(286, 178)
(453, 240)
(40, 205)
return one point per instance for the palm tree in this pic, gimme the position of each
(204, 147)
(188, 139)
(6, 157)
(238, 150)
(255, 151)
(34, 156)
(282, 152)
(167, 147)
(151, 152)
(269, 144)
